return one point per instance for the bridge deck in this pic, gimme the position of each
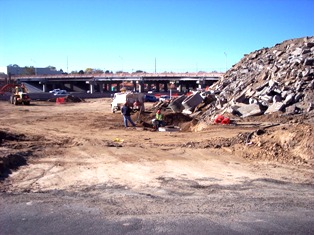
(124, 76)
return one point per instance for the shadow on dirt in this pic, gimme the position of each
(11, 161)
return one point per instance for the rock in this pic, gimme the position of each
(192, 101)
(306, 72)
(244, 71)
(250, 110)
(220, 102)
(310, 107)
(289, 99)
(297, 97)
(279, 106)
(277, 98)
(309, 61)
(292, 109)
(260, 88)
(176, 104)
(306, 50)
(309, 97)
(266, 98)
(253, 101)
(297, 51)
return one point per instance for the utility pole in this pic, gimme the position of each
(67, 64)
(155, 64)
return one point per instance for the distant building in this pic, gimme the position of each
(13, 70)
(16, 70)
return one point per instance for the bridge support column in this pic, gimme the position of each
(149, 86)
(165, 86)
(201, 84)
(118, 86)
(44, 87)
(104, 87)
(134, 86)
(91, 88)
(187, 87)
(101, 87)
(179, 87)
(110, 87)
(157, 86)
(140, 87)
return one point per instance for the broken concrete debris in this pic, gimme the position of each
(249, 110)
(269, 80)
(275, 107)
(190, 102)
(276, 78)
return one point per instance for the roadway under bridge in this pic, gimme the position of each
(139, 82)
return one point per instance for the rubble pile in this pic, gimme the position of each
(277, 79)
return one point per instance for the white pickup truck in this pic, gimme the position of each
(135, 101)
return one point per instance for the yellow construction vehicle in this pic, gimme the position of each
(20, 95)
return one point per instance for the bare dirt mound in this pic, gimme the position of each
(291, 143)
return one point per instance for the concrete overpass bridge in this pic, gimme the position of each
(140, 82)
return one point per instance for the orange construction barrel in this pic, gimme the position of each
(60, 100)
(219, 118)
(226, 120)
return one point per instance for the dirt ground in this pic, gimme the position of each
(72, 146)
(69, 168)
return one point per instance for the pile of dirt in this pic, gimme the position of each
(284, 144)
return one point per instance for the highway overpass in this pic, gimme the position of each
(140, 82)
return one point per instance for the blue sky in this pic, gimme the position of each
(180, 35)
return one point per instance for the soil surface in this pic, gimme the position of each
(80, 150)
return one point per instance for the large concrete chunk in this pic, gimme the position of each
(176, 104)
(250, 110)
(276, 107)
(192, 101)
(309, 61)
(289, 99)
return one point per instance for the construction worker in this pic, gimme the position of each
(23, 88)
(17, 89)
(158, 121)
(126, 112)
